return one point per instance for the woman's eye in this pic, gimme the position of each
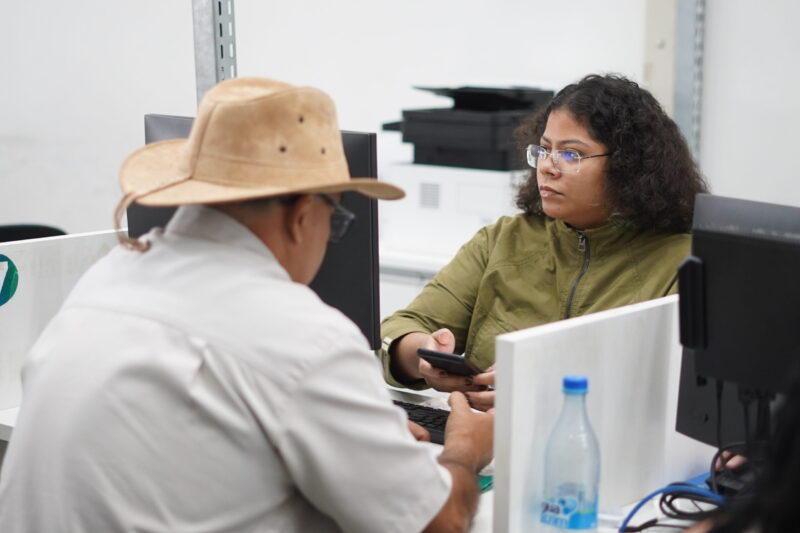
(570, 156)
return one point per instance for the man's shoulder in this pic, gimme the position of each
(246, 305)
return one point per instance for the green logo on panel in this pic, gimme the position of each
(8, 279)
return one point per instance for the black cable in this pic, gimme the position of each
(684, 489)
(653, 522)
(668, 505)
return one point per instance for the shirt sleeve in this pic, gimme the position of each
(350, 453)
(447, 301)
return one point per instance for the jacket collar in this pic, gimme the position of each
(604, 239)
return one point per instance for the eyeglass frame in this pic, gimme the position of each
(557, 155)
(341, 218)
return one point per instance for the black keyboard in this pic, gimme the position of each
(430, 418)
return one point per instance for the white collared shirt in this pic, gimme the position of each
(195, 387)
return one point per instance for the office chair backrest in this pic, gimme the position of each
(21, 232)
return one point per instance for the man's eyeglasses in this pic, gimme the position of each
(341, 218)
(564, 160)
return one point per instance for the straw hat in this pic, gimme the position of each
(252, 138)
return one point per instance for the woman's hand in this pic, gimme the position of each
(405, 363)
(483, 400)
(414, 367)
(441, 380)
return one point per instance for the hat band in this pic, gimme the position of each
(230, 172)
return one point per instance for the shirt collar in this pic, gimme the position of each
(206, 223)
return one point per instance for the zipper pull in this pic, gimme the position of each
(581, 242)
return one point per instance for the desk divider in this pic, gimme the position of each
(632, 357)
(48, 269)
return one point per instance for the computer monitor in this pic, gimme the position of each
(739, 324)
(348, 278)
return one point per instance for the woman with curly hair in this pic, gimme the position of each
(607, 208)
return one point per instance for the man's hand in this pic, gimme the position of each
(419, 432)
(467, 449)
(468, 435)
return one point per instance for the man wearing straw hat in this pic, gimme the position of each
(193, 382)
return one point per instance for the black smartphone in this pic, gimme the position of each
(450, 362)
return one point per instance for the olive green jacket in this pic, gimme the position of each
(524, 271)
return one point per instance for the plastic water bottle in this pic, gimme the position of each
(572, 465)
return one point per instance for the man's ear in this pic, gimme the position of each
(297, 217)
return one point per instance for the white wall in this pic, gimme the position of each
(76, 79)
(80, 75)
(751, 109)
(368, 55)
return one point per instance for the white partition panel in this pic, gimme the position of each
(47, 270)
(631, 356)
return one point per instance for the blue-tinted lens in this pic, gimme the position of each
(568, 156)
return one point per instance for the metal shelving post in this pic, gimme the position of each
(214, 43)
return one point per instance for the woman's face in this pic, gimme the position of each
(579, 199)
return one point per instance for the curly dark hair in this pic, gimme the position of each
(652, 178)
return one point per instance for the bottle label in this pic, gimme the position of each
(569, 508)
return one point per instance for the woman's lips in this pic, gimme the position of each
(547, 192)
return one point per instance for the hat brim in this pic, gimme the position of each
(153, 174)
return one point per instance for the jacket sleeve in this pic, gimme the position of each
(447, 301)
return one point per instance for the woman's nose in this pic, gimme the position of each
(546, 166)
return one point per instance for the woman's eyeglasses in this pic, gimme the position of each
(563, 160)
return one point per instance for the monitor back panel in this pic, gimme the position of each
(743, 304)
(702, 416)
(348, 277)
(47, 270)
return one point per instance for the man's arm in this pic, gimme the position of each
(349, 452)
(467, 449)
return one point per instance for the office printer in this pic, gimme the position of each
(476, 132)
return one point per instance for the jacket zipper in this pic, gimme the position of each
(583, 246)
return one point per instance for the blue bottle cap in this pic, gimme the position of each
(575, 384)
